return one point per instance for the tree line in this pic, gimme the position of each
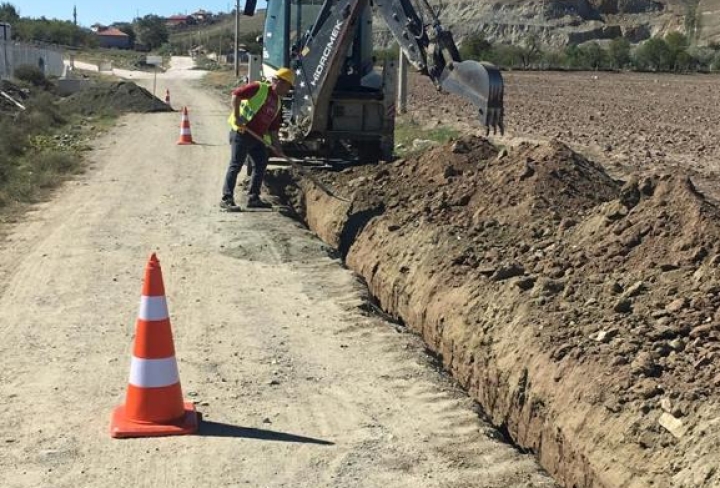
(671, 53)
(150, 30)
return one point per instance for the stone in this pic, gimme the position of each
(506, 271)
(672, 425)
(635, 289)
(624, 305)
(605, 335)
(676, 305)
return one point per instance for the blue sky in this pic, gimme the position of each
(109, 11)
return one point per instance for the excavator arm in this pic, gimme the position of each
(320, 58)
(430, 48)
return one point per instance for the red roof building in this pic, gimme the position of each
(113, 38)
(179, 20)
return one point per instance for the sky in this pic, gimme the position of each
(90, 12)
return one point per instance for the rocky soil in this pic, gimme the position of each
(566, 274)
(631, 122)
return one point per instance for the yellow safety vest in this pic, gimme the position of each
(249, 108)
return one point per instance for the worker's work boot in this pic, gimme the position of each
(255, 202)
(229, 205)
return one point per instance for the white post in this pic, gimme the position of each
(254, 67)
(402, 83)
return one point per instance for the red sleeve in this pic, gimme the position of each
(246, 92)
(277, 121)
(275, 125)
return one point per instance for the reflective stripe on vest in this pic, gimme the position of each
(249, 108)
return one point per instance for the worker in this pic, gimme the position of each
(255, 121)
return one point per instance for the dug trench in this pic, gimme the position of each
(580, 311)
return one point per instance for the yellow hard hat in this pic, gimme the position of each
(285, 74)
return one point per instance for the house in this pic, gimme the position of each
(201, 16)
(180, 20)
(113, 38)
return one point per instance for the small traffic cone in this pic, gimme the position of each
(154, 404)
(167, 96)
(185, 135)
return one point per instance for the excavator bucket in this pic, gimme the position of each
(481, 83)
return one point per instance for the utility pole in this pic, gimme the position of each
(237, 39)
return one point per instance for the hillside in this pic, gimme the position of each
(224, 26)
(555, 22)
(562, 22)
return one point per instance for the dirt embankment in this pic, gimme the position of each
(119, 97)
(580, 311)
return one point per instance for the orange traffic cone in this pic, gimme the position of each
(185, 135)
(153, 405)
(167, 96)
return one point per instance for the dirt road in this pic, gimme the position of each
(298, 387)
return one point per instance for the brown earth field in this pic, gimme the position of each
(566, 274)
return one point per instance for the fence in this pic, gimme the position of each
(14, 54)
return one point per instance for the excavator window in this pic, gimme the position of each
(287, 25)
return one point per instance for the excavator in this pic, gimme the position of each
(341, 107)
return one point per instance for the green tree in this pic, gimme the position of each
(715, 65)
(552, 59)
(506, 55)
(678, 44)
(250, 40)
(390, 54)
(619, 53)
(8, 13)
(475, 46)
(655, 55)
(530, 53)
(685, 62)
(575, 57)
(53, 32)
(595, 55)
(151, 31)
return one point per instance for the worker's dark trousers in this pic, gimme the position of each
(243, 146)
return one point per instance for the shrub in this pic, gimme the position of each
(54, 163)
(715, 66)
(28, 73)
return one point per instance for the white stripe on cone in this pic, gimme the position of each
(153, 308)
(153, 373)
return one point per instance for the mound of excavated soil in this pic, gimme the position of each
(122, 96)
(580, 311)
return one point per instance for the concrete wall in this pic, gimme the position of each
(13, 54)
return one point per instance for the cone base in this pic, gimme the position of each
(121, 427)
(185, 143)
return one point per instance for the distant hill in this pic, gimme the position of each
(562, 22)
(224, 25)
(555, 22)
